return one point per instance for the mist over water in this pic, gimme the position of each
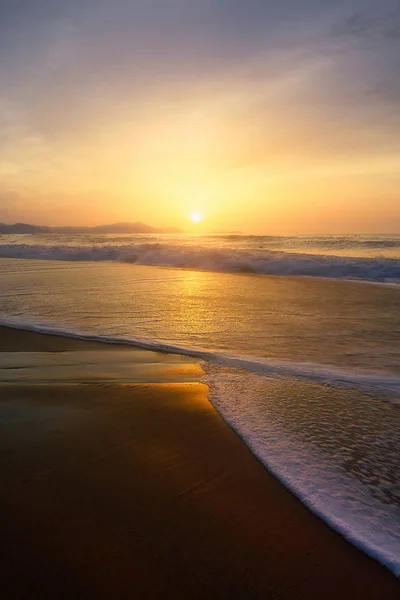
(306, 369)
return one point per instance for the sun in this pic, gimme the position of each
(196, 217)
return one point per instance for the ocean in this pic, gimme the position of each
(299, 339)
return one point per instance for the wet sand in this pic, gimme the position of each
(140, 490)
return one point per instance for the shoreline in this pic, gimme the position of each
(120, 489)
(386, 383)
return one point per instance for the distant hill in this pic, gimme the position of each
(21, 228)
(17, 228)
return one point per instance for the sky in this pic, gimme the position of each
(261, 116)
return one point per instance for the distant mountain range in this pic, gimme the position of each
(17, 228)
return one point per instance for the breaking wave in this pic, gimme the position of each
(233, 260)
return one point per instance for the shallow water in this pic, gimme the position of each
(307, 370)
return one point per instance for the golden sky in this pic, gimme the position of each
(264, 120)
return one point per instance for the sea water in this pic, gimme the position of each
(299, 338)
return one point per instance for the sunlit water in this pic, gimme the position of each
(306, 369)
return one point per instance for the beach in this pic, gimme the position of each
(125, 490)
(199, 300)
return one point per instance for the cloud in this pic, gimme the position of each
(374, 38)
(92, 90)
(375, 25)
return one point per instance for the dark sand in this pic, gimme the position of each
(142, 491)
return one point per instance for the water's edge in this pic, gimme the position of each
(384, 383)
(274, 368)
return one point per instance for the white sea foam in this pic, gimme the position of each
(346, 476)
(224, 259)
